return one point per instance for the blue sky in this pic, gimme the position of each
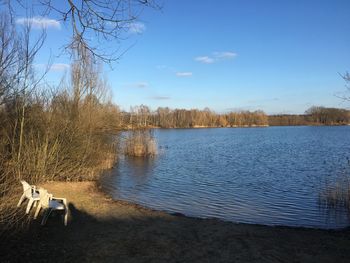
(277, 56)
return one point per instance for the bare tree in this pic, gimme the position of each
(17, 53)
(346, 77)
(102, 20)
(17, 83)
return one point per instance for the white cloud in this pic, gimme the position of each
(184, 74)
(216, 56)
(140, 85)
(205, 59)
(160, 98)
(137, 28)
(224, 55)
(59, 67)
(39, 22)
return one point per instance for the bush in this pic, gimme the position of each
(140, 143)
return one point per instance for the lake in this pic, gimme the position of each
(270, 176)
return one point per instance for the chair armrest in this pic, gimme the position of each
(64, 200)
(59, 198)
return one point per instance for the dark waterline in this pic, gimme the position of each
(267, 176)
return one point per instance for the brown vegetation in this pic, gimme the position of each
(49, 134)
(142, 116)
(313, 116)
(140, 143)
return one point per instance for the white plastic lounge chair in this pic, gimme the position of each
(50, 203)
(30, 193)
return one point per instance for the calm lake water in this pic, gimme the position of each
(267, 176)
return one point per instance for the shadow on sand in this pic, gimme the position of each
(176, 239)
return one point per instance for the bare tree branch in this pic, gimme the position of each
(345, 95)
(103, 20)
(17, 53)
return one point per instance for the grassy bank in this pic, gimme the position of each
(103, 230)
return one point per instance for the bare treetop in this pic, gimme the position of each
(102, 20)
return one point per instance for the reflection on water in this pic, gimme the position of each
(140, 168)
(268, 176)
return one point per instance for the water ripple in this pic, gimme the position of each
(264, 176)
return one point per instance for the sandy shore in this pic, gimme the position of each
(103, 230)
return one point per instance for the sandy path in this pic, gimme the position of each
(103, 230)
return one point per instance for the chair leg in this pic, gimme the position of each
(29, 206)
(37, 211)
(46, 216)
(21, 200)
(65, 217)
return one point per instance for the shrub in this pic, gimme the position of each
(140, 143)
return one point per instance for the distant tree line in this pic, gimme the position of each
(164, 117)
(315, 115)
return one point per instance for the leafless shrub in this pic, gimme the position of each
(140, 143)
(68, 133)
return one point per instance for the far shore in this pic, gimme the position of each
(236, 126)
(103, 230)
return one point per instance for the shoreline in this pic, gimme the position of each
(101, 229)
(99, 188)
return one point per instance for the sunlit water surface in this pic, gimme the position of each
(267, 176)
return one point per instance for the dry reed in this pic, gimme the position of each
(336, 194)
(140, 143)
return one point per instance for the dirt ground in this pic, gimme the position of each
(102, 230)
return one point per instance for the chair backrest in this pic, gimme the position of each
(27, 189)
(44, 197)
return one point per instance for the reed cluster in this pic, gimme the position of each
(140, 143)
(336, 194)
